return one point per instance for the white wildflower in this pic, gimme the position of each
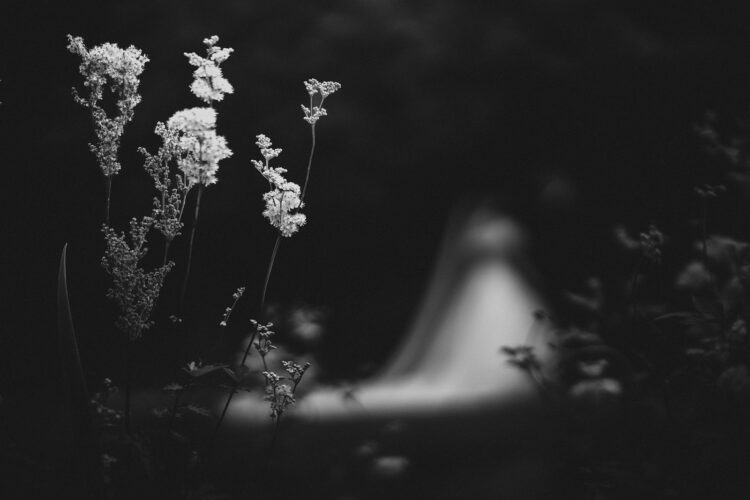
(322, 89)
(209, 83)
(120, 70)
(279, 206)
(193, 120)
(201, 147)
(283, 201)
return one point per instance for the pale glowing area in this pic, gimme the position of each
(477, 302)
(460, 365)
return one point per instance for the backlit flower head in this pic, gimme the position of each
(108, 65)
(209, 83)
(283, 200)
(193, 120)
(201, 147)
(313, 113)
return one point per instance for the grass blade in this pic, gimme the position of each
(76, 423)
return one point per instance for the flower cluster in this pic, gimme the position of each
(134, 290)
(295, 371)
(200, 147)
(168, 208)
(263, 344)
(651, 244)
(120, 69)
(314, 112)
(278, 394)
(209, 83)
(283, 201)
(228, 311)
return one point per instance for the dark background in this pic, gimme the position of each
(572, 115)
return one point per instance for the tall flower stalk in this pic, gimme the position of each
(134, 290)
(117, 69)
(318, 91)
(197, 128)
(283, 204)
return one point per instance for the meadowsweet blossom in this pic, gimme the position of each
(279, 206)
(201, 147)
(168, 207)
(325, 89)
(193, 120)
(295, 371)
(134, 290)
(313, 113)
(209, 83)
(279, 395)
(108, 65)
(283, 200)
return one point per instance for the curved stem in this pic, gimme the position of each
(236, 381)
(190, 251)
(268, 273)
(127, 384)
(167, 242)
(309, 163)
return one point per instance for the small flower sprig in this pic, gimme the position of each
(108, 66)
(651, 243)
(283, 200)
(313, 113)
(169, 206)
(209, 83)
(228, 311)
(280, 395)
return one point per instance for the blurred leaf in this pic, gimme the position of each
(205, 370)
(198, 410)
(688, 318)
(178, 437)
(708, 306)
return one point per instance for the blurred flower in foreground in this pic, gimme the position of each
(599, 394)
(306, 324)
(389, 467)
(694, 278)
(735, 382)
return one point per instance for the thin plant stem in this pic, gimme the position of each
(167, 242)
(704, 228)
(128, 354)
(634, 284)
(268, 272)
(173, 416)
(312, 152)
(309, 163)
(190, 251)
(271, 447)
(109, 195)
(236, 381)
